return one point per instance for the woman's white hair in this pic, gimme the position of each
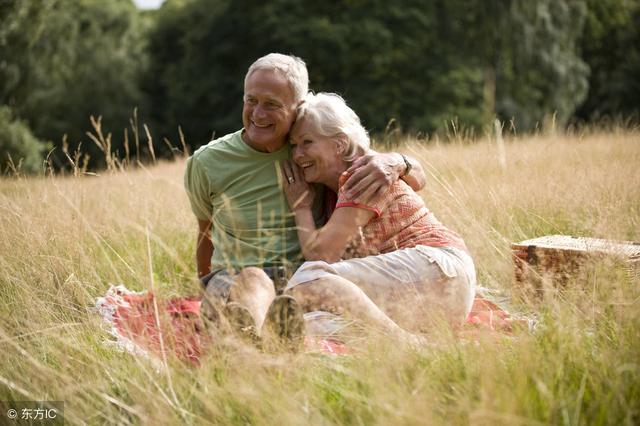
(293, 68)
(330, 116)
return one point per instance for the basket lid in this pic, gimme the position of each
(628, 249)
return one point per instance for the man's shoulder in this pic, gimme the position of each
(231, 141)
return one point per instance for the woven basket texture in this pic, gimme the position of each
(559, 257)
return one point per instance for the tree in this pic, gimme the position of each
(528, 55)
(18, 147)
(545, 74)
(392, 64)
(420, 63)
(67, 60)
(610, 45)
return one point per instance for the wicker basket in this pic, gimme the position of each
(555, 259)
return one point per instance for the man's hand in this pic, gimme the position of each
(375, 172)
(299, 193)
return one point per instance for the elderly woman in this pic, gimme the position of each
(386, 261)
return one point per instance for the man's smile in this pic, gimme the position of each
(261, 126)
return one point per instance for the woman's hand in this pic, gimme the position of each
(299, 193)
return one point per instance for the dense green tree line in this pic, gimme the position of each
(65, 60)
(610, 45)
(422, 64)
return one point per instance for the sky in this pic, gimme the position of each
(148, 4)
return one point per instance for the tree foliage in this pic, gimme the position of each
(19, 148)
(610, 45)
(65, 60)
(420, 65)
(532, 48)
(389, 65)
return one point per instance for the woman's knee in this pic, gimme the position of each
(307, 290)
(461, 293)
(316, 295)
(310, 271)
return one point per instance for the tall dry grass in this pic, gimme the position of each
(63, 240)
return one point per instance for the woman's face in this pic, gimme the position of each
(318, 156)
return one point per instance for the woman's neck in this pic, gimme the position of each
(333, 181)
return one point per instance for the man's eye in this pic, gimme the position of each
(250, 101)
(271, 105)
(307, 142)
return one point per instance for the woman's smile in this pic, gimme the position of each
(307, 168)
(316, 155)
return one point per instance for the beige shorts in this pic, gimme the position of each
(408, 283)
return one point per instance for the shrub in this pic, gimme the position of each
(18, 145)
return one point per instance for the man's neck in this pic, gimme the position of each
(268, 148)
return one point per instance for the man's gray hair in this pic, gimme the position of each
(293, 68)
(330, 116)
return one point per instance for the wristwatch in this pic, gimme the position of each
(407, 165)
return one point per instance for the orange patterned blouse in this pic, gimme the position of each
(401, 221)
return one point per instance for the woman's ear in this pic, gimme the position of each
(342, 145)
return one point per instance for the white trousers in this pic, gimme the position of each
(408, 284)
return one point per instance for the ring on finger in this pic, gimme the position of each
(290, 179)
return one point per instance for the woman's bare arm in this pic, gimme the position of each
(329, 242)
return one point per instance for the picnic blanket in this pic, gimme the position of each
(147, 326)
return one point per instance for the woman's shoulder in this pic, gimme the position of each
(400, 190)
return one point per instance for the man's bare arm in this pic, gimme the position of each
(204, 248)
(377, 172)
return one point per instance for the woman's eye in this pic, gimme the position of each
(307, 142)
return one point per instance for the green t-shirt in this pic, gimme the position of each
(240, 190)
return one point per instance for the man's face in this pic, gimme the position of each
(268, 112)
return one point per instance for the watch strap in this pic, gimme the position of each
(407, 164)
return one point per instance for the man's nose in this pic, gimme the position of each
(259, 111)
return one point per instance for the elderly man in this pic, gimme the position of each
(234, 186)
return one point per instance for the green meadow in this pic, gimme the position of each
(65, 239)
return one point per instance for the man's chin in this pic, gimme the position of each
(258, 134)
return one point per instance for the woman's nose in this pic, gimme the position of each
(296, 153)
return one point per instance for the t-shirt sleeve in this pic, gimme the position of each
(196, 183)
